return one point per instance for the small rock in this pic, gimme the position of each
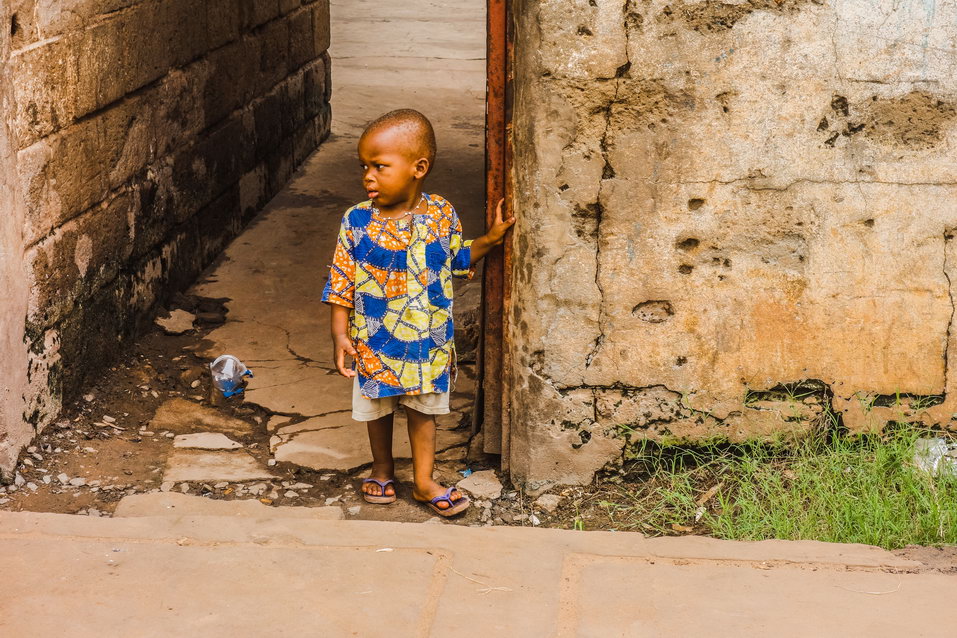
(300, 486)
(18, 480)
(534, 520)
(221, 485)
(32, 486)
(271, 462)
(78, 482)
(109, 419)
(257, 489)
(31, 449)
(47, 479)
(63, 478)
(326, 477)
(273, 495)
(334, 499)
(291, 494)
(91, 450)
(354, 510)
(184, 487)
(194, 384)
(165, 487)
(4, 501)
(482, 485)
(548, 502)
(88, 398)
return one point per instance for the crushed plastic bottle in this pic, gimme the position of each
(228, 373)
(936, 457)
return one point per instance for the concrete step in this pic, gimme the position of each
(179, 505)
(241, 576)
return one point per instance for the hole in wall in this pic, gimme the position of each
(14, 24)
(685, 269)
(680, 361)
(689, 243)
(583, 30)
(869, 223)
(695, 203)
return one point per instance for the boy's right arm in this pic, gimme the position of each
(341, 343)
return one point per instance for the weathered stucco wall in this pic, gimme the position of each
(146, 133)
(732, 216)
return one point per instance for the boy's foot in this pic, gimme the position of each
(378, 489)
(444, 501)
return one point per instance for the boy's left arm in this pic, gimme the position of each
(495, 235)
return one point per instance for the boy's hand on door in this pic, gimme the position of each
(342, 346)
(496, 234)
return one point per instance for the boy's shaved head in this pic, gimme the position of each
(415, 129)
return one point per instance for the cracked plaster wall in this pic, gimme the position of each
(733, 216)
(143, 135)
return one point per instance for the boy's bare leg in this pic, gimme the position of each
(383, 465)
(422, 438)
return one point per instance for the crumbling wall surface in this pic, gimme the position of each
(734, 217)
(14, 431)
(147, 132)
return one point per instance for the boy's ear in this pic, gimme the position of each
(422, 166)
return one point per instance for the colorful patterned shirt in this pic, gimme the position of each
(396, 276)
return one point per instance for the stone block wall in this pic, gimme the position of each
(735, 218)
(144, 134)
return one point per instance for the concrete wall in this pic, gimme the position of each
(14, 291)
(732, 218)
(146, 133)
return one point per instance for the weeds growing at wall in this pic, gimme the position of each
(830, 488)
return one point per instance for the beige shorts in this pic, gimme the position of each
(364, 409)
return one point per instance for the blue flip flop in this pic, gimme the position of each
(382, 499)
(455, 507)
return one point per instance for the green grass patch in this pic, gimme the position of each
(862, 489)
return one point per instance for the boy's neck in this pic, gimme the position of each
(396, 210)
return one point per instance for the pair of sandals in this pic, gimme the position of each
(452, 508)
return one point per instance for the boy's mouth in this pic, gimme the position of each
(372, 194)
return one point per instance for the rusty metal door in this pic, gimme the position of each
(494, 363)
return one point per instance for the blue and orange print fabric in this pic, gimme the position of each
(396, 276)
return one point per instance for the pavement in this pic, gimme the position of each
(170, 564)
(257, 574)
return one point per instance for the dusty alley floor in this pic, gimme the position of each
(294, 441)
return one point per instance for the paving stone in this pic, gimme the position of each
(162, 504)
(347, 447)
(206, 441)
(188, 465)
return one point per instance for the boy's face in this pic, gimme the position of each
(390, 168)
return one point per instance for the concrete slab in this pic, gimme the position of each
(77, 575)
(206, 441)
(346, 446)
(183, 416)
(190, 465)
(173, 504)
(684, 597)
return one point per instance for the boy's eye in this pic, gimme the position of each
(380, 166)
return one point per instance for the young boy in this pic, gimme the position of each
(390, 294)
